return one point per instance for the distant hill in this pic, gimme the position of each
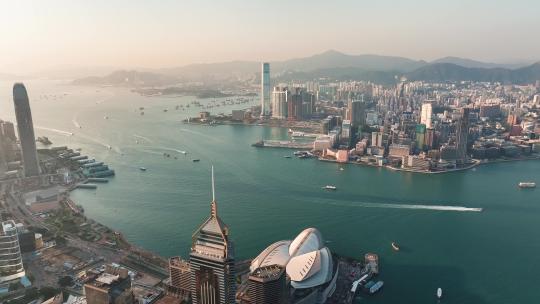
(439, 72)
(469, 63)
(128, 79)
(330, 64)
(327, 60)
(334, 59)
(343, 74)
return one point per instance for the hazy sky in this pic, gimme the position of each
(159, 33)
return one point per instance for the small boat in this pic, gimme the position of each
(439, 293)
(395, 246)
(287, 156)
(142, 168)
(196, 160)
(105, 117)
(527, 184)
(329, 187)
(341, 169)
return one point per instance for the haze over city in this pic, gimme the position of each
(269, 152)
(37, 35)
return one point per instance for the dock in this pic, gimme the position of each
(97, 180)
(86, 186)
(288, 144)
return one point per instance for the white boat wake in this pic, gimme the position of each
(143, 138)
(75, 123)
(411, 206)
(66, 133)
(172, 149)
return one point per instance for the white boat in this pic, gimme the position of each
(395, 246)
(329, 187)
(142, 168)
(439, 293)
(527, 184)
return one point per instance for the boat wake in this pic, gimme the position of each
(200, 134)
(66, 133)
(75, 123)
(143, 138)
(414, 207)
(172, 149)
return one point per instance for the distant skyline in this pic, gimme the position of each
(37, 35)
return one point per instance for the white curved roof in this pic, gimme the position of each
(313, 277)
(304, 266)
(275, 254)
(308, 240)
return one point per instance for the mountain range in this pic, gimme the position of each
(334, 65)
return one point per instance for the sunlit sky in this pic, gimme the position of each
(160, 33)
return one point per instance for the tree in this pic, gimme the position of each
(66, 281)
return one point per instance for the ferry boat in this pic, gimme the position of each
(329, 187)
(395, 246)
(527, 184)
(376, 287)
(439, 293)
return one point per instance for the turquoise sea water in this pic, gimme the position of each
(476, 257)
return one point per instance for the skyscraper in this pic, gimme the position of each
(11, 265)
(462, 133)
(265, 89)
(266, 285)
(356, 112)
(26, 130)
(212, 261)
(280, 100)
(425, 116)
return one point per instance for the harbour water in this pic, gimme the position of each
(473, 233)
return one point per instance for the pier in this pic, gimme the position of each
(288, 144)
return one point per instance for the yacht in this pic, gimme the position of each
(527, 184)
(439, 293)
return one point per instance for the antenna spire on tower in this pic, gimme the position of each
(214, 204)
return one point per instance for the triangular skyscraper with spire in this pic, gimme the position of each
(212, 260)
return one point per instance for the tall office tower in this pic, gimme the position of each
(420, 136)
(294, 107)
(265, 89)
(267, 285)
(212, 261)
(180, 277)
(26, 130)
(308, 105)
(425, 116)
(377, 139)
(280, 100)
(430, 138)
(113, 286)
(11, 265)
(357, 110)
(462, 133)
